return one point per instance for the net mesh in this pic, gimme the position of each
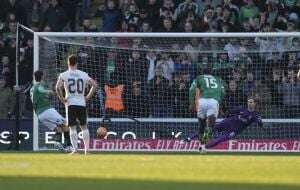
(156, 74)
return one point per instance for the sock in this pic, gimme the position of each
(57, 137)
(67, 138)
(74, 137)
(86, 139)
(202, 126)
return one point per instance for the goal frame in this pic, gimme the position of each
(38, 35)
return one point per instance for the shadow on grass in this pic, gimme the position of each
(55, 183)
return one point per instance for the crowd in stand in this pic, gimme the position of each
(269, 75)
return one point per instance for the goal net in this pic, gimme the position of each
(144, 80)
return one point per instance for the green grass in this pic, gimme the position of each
(51, 171)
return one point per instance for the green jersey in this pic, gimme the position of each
(39, 98)
(209, 86)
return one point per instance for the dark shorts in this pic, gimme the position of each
(76, 114)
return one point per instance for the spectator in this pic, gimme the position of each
(167, 9)
(159, 95)
(237, 77)
(85, 9)
(250, 10)
(55, 17)
(111, 64)
(263, 91)
(92, 56)
(233, 49)
(47, 28)
(292, 61)
(290, 90)
(185, 9)
(246, 26)
(137, 102)
(10, 33)
(151, 58)
(132, 15)
(70, 8)
(143, 18)
(10, 51)
(204, 63)
(145, 27)
(193, 47)
(167, 26)
(223, 66)
(111, 16)
(136, 67)
(15, 7)
(166, 63)
(36, 14)
(269, 47)
(276, 101)
(291, 25)
(234, 96)
(188, 27)
(89, 26)
(205, 24)
(272, 12)
(7, 94)
(186, 67)
(280, 23)
(152, 8)
(114, 97)
(248, 84)
(180, 97)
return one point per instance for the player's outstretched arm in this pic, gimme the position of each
(92, 91)
(58, 88)
(45, 91)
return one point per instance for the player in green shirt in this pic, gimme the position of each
(46, 114)
(206, 93)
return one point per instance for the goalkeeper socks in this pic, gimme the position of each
(86, 139)
(67, 138)
(74, 138)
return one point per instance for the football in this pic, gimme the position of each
(101, 132)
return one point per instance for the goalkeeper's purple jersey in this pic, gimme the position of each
(242, 118)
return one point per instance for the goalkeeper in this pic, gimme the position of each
(47, 114)
(236, 121)
(206, 93)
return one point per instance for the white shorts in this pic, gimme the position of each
(207, 107)
(51, 118)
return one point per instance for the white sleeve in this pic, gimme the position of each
(87, 77)
(61, 77)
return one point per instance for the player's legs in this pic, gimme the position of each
(86, 137)
(226, 136)
(60, 122)
(202, 116)
(229, 132)
(50, 118)
(199, 134)
(212, 114)
(66, 132)
(82, 117)
(72, 123)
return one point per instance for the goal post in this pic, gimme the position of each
(155, 116)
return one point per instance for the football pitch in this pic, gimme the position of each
(143, 171)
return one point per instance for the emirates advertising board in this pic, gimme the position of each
(159, 136)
